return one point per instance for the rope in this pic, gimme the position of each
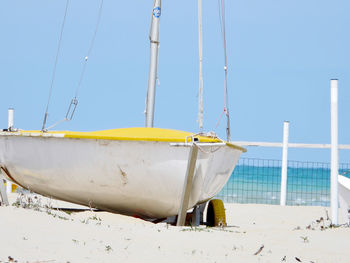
(74, 102)
(209, 135)
(200, 51)
(223, 32)
(55, 65)
(90, 49)
(218, 123)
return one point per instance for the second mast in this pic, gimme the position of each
(152, 77)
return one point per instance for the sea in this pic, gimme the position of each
(258, 181)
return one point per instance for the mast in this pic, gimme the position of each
(152, 77)
(223, 31)
(200, 43)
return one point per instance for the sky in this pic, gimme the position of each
(281, 57)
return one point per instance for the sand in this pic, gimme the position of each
(255, 233)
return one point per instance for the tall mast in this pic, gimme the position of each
(200, 43)
(223, 31)
(152, 77)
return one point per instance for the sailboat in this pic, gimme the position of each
(132, 171)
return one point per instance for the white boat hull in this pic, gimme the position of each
(141, 178)
(344, 197)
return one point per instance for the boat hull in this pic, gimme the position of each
(344, 197)
(141, 178)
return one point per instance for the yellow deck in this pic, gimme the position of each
(132, 134)
(139, 134)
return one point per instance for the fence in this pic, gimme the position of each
(259, 181)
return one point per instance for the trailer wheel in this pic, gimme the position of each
(216, 215)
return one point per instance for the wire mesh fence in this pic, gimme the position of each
(259, 181)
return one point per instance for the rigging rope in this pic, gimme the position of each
(90, 48)
(55, 65)
(74, 102)
(200, 51)
(223, 32)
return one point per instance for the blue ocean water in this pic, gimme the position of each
(259, 181)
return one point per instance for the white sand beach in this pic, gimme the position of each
(255, 233)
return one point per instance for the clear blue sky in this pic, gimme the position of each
(281, 55)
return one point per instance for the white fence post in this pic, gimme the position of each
(284, 163)
(10, 126)
(10, 119)
(334, 151)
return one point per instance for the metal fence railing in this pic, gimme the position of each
(259, 181)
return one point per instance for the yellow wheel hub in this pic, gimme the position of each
(216, 215)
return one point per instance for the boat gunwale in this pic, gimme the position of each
(63, 134)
